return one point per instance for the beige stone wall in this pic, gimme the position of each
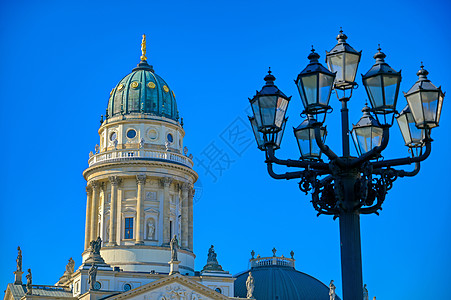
(156, 194)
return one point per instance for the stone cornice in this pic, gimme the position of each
(157, 164)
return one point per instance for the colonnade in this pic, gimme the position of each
(93, 229)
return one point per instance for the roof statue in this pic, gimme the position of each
(92, 274)
(29, 283)
(94, 255)
(365, 292)
(292, 254)
(250, 285)
(70, 267)
(212, 261)
(96, 245)
(19, 259)
(332, 290)
(252, 254)
(274, 250)
(174, 246)
(143, 48)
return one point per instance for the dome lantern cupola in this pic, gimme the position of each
(142, 94)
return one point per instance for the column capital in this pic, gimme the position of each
(88, 189)
(184, 186)
(94, 184)
(166, 181)
(115, 180)
(141, 179)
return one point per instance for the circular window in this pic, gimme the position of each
(135, 84)
(218, 290)
(166, 89)
(113, 136)
(127, 287)
(170, 138)
(131, 134)
(151, 85)
(153, 134)
(97, 285)
(120, 87)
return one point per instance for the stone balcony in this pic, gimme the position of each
(139, 154)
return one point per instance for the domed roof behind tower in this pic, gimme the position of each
(142, 92)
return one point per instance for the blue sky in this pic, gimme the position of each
(60, 59)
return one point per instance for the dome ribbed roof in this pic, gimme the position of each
(143, 92)
(281, 282)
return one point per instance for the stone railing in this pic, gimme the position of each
(137, 154)
(272, 261)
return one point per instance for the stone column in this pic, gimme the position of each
(141, 180)
(190, 218)
(114, 181)
(166, 182)
(94, 209)
(184, 187)
(88, 216)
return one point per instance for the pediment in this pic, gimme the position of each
(174, 287)
(152, 210)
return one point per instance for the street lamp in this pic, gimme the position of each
(425, 101)
(346, 186)
(367, 133)
(315, 85)
(269, 106)
(305, 136)
(382, 86)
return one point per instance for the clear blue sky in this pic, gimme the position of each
(60, 59)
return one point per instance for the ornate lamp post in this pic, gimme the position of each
(347, 186)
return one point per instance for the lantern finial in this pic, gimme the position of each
(379, 56)
(341, 38)
(269, 78)
(313, 57)
(422, 73)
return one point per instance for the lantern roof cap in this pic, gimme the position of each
(307, 123)
(314, 66)
(423, 83)
(367, 119)
(270, 88)
(342, 45)
(380, 66)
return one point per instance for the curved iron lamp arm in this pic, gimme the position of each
(406, 160)
(402, 173)
(373, 152)
(325, 149)
(291, 175)
(288, 175)
(294, 163)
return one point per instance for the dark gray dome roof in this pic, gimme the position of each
(282, 283)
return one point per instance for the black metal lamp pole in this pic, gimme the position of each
(347, 186)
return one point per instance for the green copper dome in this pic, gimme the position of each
(142, 92)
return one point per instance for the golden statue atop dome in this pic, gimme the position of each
(143, 48)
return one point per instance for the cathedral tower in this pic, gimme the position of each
(140, 179)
